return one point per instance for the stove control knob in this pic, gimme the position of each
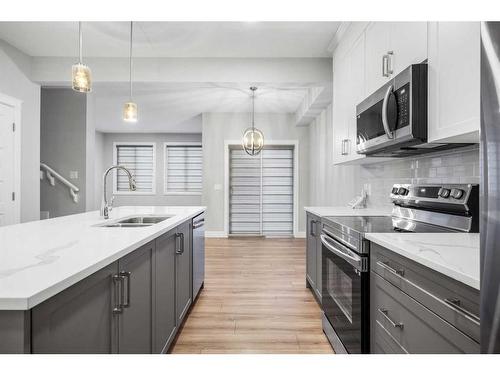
(444, 193)
(402, 191)
(394, 190)
(457, 193)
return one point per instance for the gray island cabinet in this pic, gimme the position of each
(133, 305)
(414, 309)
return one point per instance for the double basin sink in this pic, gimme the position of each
(136, 221)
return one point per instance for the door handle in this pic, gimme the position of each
(390, 69)
(343, 150)
(386, 266)
(179, 237)
(385, 121)
(311, 226)
(385, 64)
(385, 314)
(124, 275)
(455, 303)
(118, 285)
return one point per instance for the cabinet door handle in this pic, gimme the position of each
(124, 275)
(390, 69)
(345, 143)
(385, 314)
(182, 242)
(178, 249)
(311, 228)
(455, 303)
(118, 285)
(385, 63)
(386, 266)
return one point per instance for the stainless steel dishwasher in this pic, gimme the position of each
(198, 253)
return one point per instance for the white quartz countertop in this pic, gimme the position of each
(41, 258)
(347, 211)
(453, 254)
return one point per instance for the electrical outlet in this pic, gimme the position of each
(73, 175)
(217, 187)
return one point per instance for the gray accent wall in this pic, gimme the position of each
(15, 69)
(63, 147)
(158, 199)
(221, 127)
(336, 185)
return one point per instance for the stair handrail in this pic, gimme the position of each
(52, 175)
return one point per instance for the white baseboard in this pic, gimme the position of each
(215, 234)
(300, 235)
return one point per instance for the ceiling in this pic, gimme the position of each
(176, 107)
(173, 39)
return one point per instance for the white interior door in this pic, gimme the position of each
(7, 176)
(261, 192)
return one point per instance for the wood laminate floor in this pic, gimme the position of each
(254, 301)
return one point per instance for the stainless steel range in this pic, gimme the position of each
(345, 251)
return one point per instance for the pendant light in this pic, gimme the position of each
(130, 108)
(81, 74)
(253, 139)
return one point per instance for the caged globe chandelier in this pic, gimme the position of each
(253, 139)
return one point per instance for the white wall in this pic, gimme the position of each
(15, 68)
(220, 127)
(158, 199)
(63, 147)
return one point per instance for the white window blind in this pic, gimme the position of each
(139, 160)
(184, 169)
(261, 192)
(277, 192)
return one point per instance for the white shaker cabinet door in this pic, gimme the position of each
(408, 43)
(377, 45)
(341, 95)
(454, 77)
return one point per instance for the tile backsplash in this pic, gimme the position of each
(455, 166)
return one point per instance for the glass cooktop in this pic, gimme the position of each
(383, 224)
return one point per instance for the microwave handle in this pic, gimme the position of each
(385, 121)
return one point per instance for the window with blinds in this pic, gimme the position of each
(261, 192)
(183, 168)
(139, 159)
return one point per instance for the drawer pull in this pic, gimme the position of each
(386, 266)
(455, 303)
(385, 313)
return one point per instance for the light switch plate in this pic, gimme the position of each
(73, 175)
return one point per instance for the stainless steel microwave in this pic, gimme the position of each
(393, 120)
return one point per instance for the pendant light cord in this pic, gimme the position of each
(130, 60)
(253, 109)
(80, 43)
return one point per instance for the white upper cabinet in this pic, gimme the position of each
(340, 107)
(409, 44)
(454, 77)
(390, 48)
(377, 48)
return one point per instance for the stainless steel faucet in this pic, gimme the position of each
(105, 206)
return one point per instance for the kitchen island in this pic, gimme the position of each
(70, 284)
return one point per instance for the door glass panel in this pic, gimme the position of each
(339, 286)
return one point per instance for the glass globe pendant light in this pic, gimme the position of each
(130, 108)
(81, 74)
(253, 139)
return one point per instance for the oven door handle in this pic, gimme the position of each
(344, 253)
(385, 121)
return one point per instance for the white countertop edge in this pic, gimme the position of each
(324, 211)
(28, 302)
(452, 273)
